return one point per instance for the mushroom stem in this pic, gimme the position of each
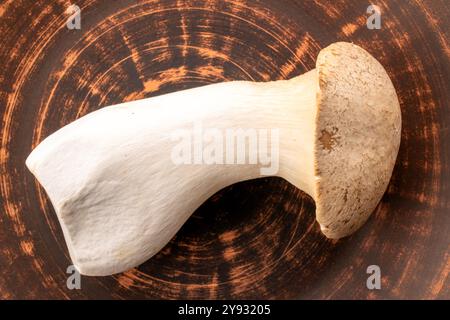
(116, 188)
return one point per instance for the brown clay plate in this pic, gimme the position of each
(256, 239)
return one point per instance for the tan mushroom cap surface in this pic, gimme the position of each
(358, 128)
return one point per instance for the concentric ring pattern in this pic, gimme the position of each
(256, 239)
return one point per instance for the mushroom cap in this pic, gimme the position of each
(358, 129)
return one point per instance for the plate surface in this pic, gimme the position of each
(256, 239)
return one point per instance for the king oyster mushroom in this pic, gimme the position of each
(120, 197)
